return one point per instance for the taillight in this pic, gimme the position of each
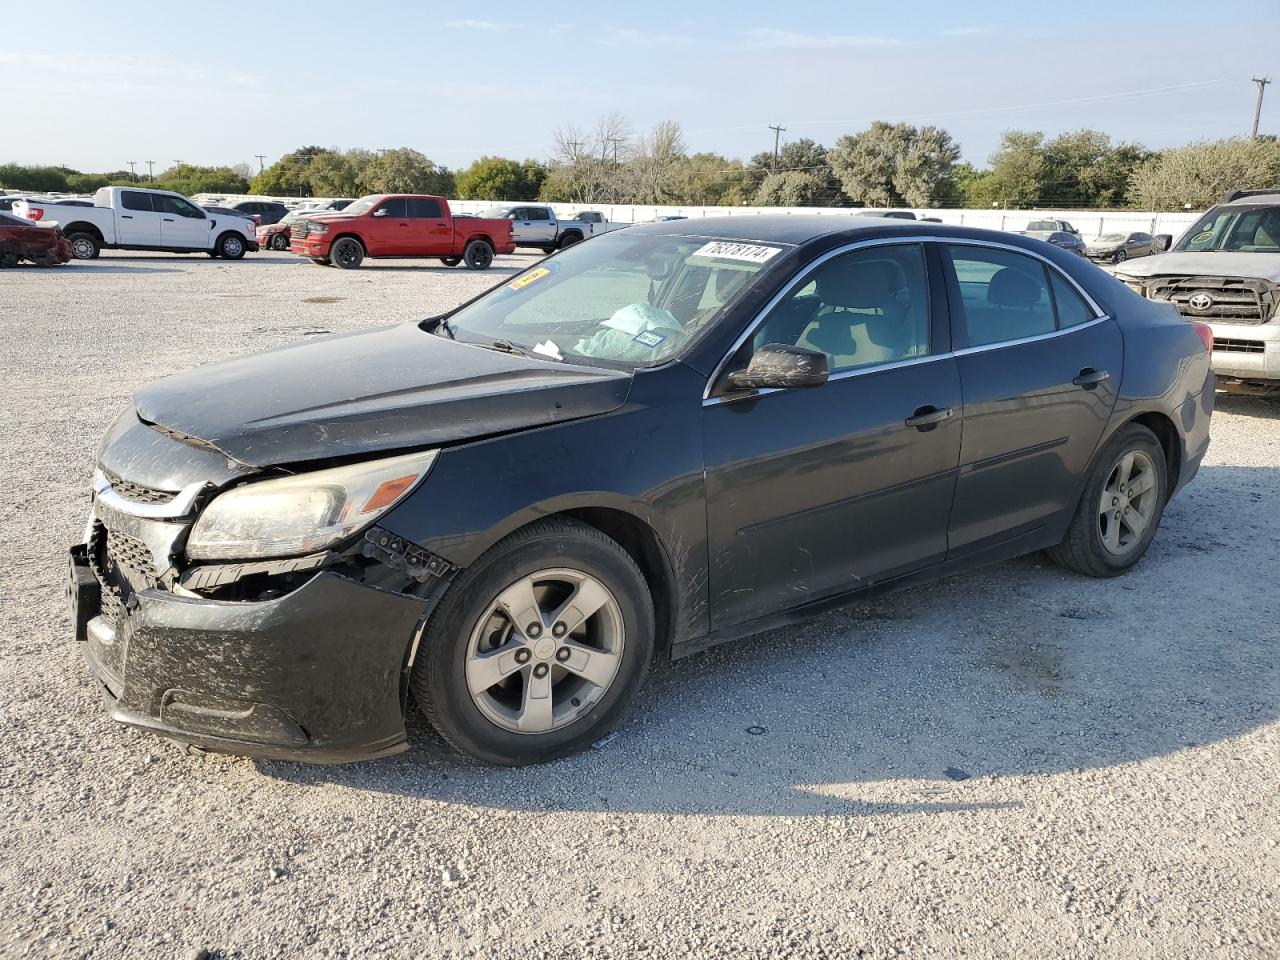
(1206, 334)
(35, 213)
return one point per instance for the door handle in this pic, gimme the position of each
(1090, 378)
(167, 219)
(928, 417)
(126, 216)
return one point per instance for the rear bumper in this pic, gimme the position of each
(316, 675)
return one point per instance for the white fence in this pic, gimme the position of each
(1090, 223)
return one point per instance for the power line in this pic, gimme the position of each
(1257, 110)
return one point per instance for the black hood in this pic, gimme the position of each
(384, 389)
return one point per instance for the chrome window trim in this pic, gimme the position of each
(1099, 313)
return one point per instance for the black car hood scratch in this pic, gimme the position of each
(384, 389)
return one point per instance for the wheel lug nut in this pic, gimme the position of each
(558, 630)
(534, 630)
(523, 655)
(540, 671)
(562, 654)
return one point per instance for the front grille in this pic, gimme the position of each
(298, 231)
(1229, 299)
(123, 566)
(136, 492)
(1239, 346)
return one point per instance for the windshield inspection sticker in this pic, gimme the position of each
(727, 250)
(519, 283)
(649, 339)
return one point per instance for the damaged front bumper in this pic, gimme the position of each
(316, 675)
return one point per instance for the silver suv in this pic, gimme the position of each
(1225, 271)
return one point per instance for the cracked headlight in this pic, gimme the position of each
(296, 515)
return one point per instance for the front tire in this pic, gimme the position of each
(478, 255)
(230, 247)
(1119, 257)
(347, 253)
(451, 261)
(279, 242)
(1121, 507)
(84, 246)
(537, 648)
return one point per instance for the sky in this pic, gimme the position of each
(218, 84)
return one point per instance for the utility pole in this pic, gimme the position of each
(777, 137)
(574, 146)
(614, 141)
(179, 163)
(261, 157)
(133, 174)
(150, 164)
(1257, 110)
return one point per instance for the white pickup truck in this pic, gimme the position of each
(128, 218)
(536, 225)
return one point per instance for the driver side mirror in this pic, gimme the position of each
(1161, 242)
(380, 212)
(779, 367)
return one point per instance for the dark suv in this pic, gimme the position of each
(262, 211)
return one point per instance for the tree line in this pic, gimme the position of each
(886, 165)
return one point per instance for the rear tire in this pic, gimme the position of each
(451, 261)
(569, 239)
(478, 255)
(279, 242)
(1128, 486)
(84, 246)
(346, 253)
(477, 711)
(230, 246)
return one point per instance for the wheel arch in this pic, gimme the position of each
(625, 523)
(1166, 432)
(481, 236)
(83, 226)
(350, 236)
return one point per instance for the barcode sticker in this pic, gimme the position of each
(728, 250)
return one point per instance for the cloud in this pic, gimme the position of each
(771, 39)
(477, 25)
(625, 37)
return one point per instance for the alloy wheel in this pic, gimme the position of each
(545, 651)
(1127, 505)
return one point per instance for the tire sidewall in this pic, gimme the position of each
(441, 661)
(224, 247)
(1131, 437)
(90, 239)
(474, 246)
(338, 245)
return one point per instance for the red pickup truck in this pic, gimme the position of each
(400, 225)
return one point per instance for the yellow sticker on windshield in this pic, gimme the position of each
(519, 283)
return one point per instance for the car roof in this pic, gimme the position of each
(799, 229)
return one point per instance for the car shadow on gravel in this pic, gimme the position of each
(1266, 409)
(96, 268)
(928, 700)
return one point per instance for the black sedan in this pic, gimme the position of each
(667, 438)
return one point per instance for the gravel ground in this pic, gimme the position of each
(787, 796)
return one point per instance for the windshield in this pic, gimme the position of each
(363, 205)
(1242, 230)
(629, 300)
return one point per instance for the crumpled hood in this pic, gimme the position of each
(1255, 266)
(383, 389)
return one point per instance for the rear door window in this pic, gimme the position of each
(425, 208)
(538, 213)
(1004, 295)
(133, 200)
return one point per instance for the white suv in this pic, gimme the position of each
(1225, 271)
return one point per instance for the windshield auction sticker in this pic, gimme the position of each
(727, 250)
(519, 283)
